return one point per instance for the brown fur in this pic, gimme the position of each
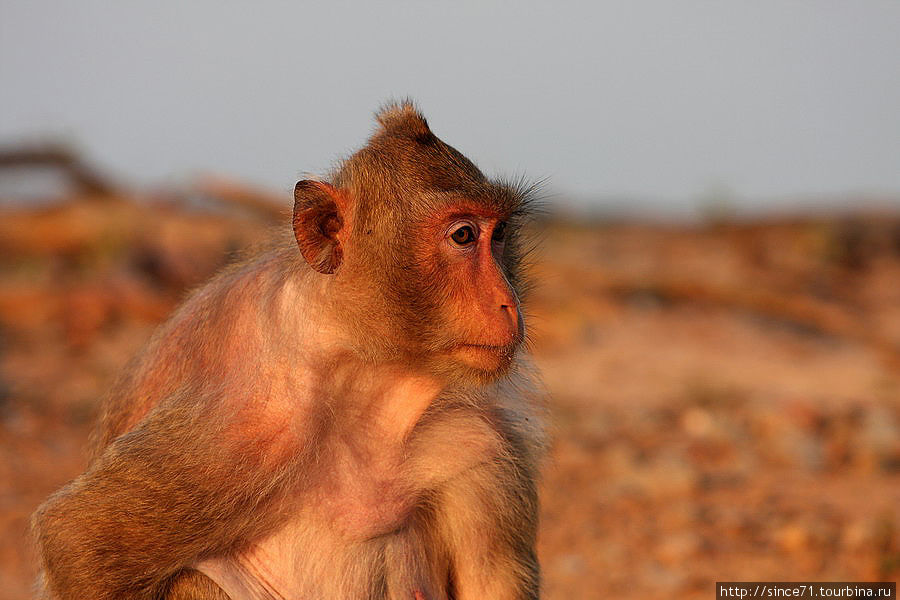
(351, 420)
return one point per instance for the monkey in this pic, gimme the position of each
(351, 413)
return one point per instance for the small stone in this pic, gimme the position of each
(792, 538)
(676, 549)
(697, 422)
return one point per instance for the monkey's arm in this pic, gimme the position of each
(160, 497)
(491, 517)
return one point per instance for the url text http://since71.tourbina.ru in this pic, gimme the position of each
(806, 589)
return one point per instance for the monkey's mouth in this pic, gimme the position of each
(486, 357)
(504, 349)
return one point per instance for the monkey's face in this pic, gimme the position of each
(430, 282)
(454, 291)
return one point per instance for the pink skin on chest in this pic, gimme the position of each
(359, 504)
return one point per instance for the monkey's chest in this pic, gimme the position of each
(360, 540)
(306, 560)
(359, 530)
(362, 495)
(362, 505)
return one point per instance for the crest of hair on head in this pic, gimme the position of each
(402, 119)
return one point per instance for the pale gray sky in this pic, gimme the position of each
(653, 100)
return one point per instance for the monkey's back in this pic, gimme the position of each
(196, 348)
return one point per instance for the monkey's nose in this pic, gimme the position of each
(511, 311)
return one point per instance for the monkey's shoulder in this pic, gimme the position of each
(446, 443)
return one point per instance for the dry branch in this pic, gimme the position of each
(270, 206)
(86, 179)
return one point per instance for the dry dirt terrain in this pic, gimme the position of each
(725, 398)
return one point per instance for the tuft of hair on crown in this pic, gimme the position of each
(402, 119)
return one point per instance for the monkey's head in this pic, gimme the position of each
(423, 251)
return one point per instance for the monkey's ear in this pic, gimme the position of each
(318, 217)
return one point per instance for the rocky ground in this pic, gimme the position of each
(725, 398)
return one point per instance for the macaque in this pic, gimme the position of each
(348, 415)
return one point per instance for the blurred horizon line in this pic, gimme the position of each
(718, 202)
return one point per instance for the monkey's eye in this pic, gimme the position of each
(499, 232)
(464, 235)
